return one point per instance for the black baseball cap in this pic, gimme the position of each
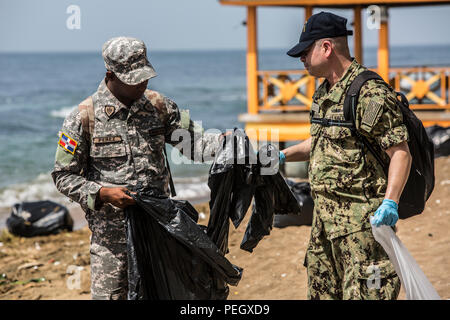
(318, 26)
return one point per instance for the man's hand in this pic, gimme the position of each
(386, 214)
(282, 157)
(116, 196)
(223, 135)
(298, 152)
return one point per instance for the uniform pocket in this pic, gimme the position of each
(108, 150)
(376, 281)
(154, 139)
(110, 163)
(342, 146)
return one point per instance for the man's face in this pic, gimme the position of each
(130, 92)
(314, 59)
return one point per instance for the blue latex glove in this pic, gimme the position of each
(282, 157)
(386, 214)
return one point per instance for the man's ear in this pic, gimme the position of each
(328, 46)
(110, 75)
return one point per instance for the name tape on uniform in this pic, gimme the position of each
(99, 140)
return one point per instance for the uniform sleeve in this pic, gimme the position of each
(378, 115)
(201, 145)
(69, 169)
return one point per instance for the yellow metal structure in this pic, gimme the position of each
(278, 101)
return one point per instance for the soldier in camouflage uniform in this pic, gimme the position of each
(130, 126)
(348, 184)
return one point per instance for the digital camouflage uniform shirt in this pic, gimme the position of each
(126, 148)
(347, 182)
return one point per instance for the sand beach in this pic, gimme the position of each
(43, 267)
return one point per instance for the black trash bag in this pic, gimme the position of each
(272, 197)
(170, 256)
(441, 140)
(230, 181)
(38, 218)
(236, 177)
(302, 192)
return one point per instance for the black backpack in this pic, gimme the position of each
(420, 182)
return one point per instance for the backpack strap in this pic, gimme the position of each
(157, 101)
(86, 108)
(350, 103)
(352, 95)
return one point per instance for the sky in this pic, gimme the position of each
(41, 26)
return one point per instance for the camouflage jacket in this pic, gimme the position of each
(347, 182)
(125, 148)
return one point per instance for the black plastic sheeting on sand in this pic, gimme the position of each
(170, 256)
(302, 192)
(38, 218)
(441, 140)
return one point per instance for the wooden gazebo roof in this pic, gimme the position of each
(332, 3)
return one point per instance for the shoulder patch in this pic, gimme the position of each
(371, 113)
(67, 143)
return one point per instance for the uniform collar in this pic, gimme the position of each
(106, 98)
(338, 90)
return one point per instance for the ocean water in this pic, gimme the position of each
(38, 90)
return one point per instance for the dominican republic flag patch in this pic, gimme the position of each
(67, 143)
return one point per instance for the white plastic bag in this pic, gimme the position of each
(414, 281)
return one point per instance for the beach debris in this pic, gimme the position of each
(438, 201)
(1, 244)
(444, 182)
(29, 265)
(56, 263)
(202, 216)
(37, 246)
(283, 275)
(3, 279)
(29, 281)
(29, 219)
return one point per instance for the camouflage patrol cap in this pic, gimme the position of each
(127, 58)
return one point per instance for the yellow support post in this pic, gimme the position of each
(252, 61)
(383, 46)
(357, 34)
(311, 86)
